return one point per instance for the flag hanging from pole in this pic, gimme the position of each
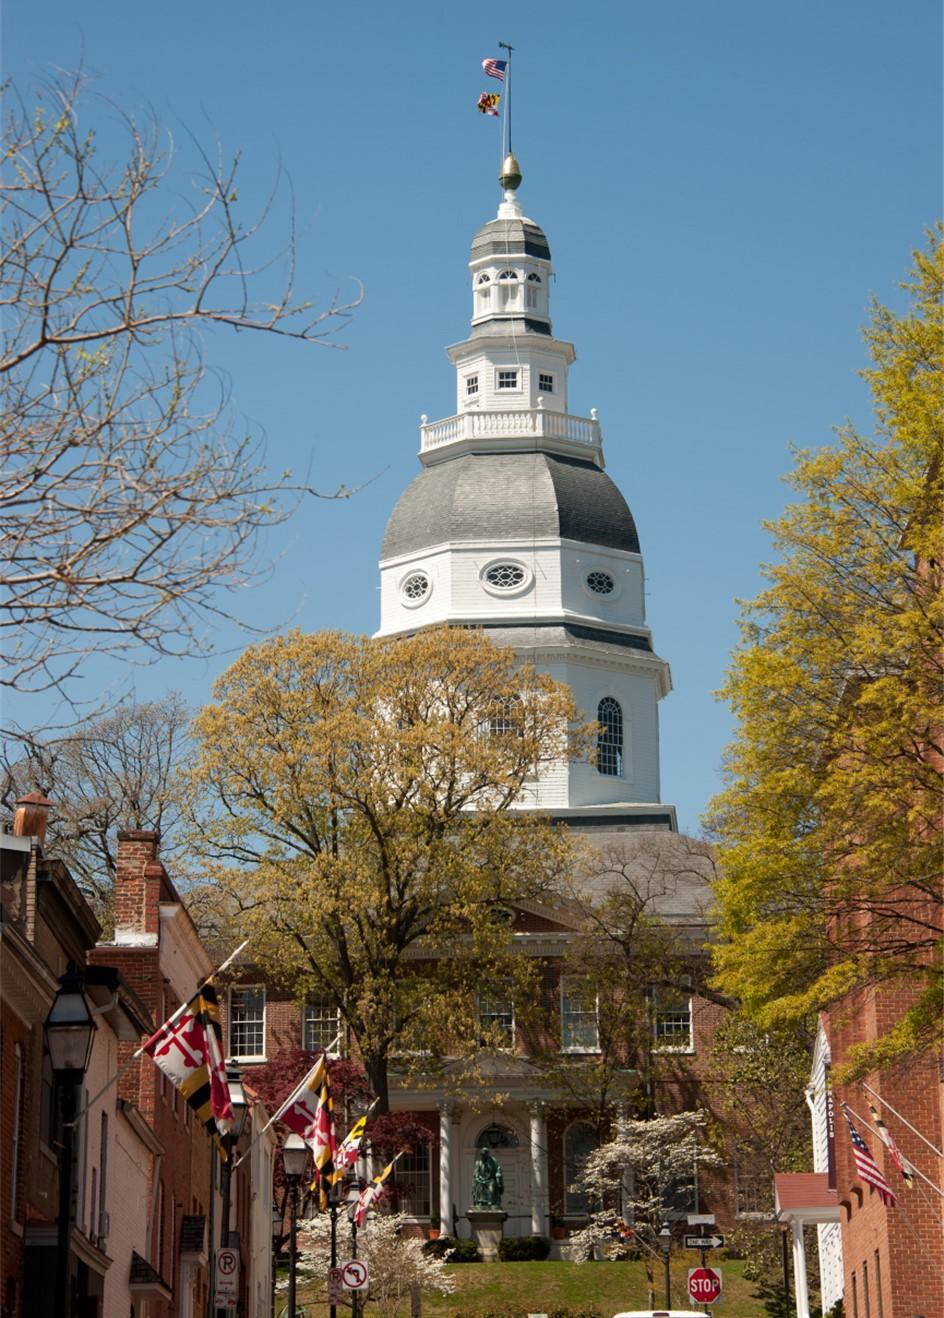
(495, 68)
(300, 1110)
(488, 103)
(894, 1152)
(188, 1048)
(371, 1193)
(867, 1169)
(323, 1141)
(347, 1153)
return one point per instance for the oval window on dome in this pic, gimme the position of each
(601, 583)
(506, 576)
(415, 588)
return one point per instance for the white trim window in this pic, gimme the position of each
(545, 383)
(414, 1182)
(580, 1017)
(471, 386)
(507, 378)
(321, 1022)
(672, 1023)
(247, 1023)
(610, 738)
(496, 1012)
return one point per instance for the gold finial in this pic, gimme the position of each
(510, 176)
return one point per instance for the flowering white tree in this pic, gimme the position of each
(633, 1179)
(396, 1262)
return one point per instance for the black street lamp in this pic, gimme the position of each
(665, 1244)
(237, 1100)
(69, 1031)
(294, 1161)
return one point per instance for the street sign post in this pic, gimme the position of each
(354, 1275)
(704, 1242)
(227, 1279)
(704, 1285)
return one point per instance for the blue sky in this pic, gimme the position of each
(723, 186)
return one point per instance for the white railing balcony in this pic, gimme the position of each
(518, 423)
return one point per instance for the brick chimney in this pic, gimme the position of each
(138, 876)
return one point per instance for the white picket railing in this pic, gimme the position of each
(523, 423)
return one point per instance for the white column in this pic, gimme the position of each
(538, 1169)
(447, 1111)
(799, 1272)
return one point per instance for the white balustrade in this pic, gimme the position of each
(522, 423)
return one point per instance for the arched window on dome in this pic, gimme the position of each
(482, 291)
(532, 290)
(610, 737)
(580, 1140)
(508, 286)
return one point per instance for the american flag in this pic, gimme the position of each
(867, 1169)
(495, 68)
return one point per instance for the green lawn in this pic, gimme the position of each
(515, 1289)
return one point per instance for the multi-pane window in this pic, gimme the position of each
(497, 1016)
(505, 718)
(580, 1026)
(754, 1188)
(320, 1024)
(610, 737)
(247, 1022)
(580, 1140)
(672, 1023)
(471, 385)
(416, 587)
(545, 383)
(532, 298)
(508, 379)
(414, 1182)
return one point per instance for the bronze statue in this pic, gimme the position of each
(487, 1183)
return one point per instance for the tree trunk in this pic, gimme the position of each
(376, 1068)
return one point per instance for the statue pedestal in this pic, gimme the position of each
(487, 1226)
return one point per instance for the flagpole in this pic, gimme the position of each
(884, 1101)
(503, 45)
(170, 1021)
(917, 1170)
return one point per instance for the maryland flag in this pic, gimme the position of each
(300, 1110)
(188, 1048)
(345, 1157)
(894, 1152)
(371, 1193)
(488, 103)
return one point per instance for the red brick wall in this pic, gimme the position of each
(909, 1239)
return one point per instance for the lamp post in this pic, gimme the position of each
(294, 1160)
(69, 1031)
(237, 1100)
(665, 1244)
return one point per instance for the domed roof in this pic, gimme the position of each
(510, 496)
(512, 236)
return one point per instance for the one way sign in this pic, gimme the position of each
(704, 1242)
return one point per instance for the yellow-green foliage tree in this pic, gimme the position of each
(829, 829)
(354, 804)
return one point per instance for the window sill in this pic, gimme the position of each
(582, 1052)
(248, 1058)
(685, 1050)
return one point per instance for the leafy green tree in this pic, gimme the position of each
(355, 805)
(829, 827)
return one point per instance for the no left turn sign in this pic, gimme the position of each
(354, 1275)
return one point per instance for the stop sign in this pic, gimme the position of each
(704, 1285)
